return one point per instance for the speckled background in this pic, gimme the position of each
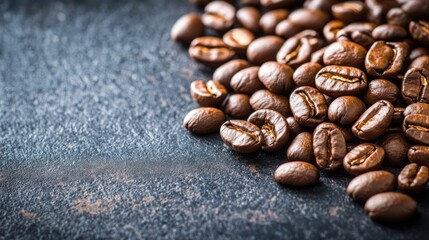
(92, 96)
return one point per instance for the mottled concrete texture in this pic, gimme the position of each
(92, 96)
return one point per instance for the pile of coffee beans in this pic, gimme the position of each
(334, 84)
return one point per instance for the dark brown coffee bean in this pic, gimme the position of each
(204, 120)
(264, 99)
(250, 2)
(264, 49)
(386, 59)
(297, 174)
(359, 33)
(209, 94)
(397, 16)
(294, 126)
(301, 148)
(237, 106)
(416, 128)
(378, 9)
(270, 20)
(241, 136)
(350, 11)
(340, 81)
(246, 81)
(211, 51)
(364, 158)
(218, 15)
(415, 86)
(419, 154)
(308, 106)
(287, 29)
(418, 52)
(272, 4)
(346, 110)
(398, 116)
(420, 62)
(345, 53)
(420, 31)
(366, 185)
(348, 134)
(374, 121)
(248, 17)
(324, 5)
(276, 77)
(417, 108)
(416, 9)
(305, 74)
(413, 178)
(314, 19)
(316, 42)
(389, 32)
(295, 52)
(381, 89)
(274, 128)
(187, 28)
(391, 207)
(395, 146)
(329, 146)
(331, 28)
(238, 39)
(317, 56)
(224, 73)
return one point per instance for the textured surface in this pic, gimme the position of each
(92, 95)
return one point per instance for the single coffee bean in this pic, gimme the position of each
(294, 126)
(295, 52)
(264, 49)
(317, 56)
(398, 116)
(386, 59)
(366, 185)
(415, 86)
(420, 62)
(314, 19)
(248, 17)
(420, 31)
(329, 146)
(397, 16)
(419, 154)
(274, 128)
(364, 158)
(301, 148)
(238, 39)
(211, 51)
(350, 11)
(308, 106)
(208, 94)
(187, 28)
(417, 108)
(297, 174)
(264, 99)
(241, 136)
(374, 121)
(270, 20)
(224, 73)
(340, 81)
(417, 52)
(287, 29)
(316, 42)
(345, 53)
(305, 74)
(416, 128)
(204, 120)
(346, 110)
(276, 77)
(218, 15)
(246, 81)
(390, 207)
(324, 5)
(416, 9)
(395, 146)
(389, 32)
(413, 178)
(381, 89)
(359, 33)
(238, 106)
(331, 28)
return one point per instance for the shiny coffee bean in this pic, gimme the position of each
(248, 17)
(345, 53)
(417, 108)
(346, 110)
(270, 19)
(359, 33)
(308, 106)
(204, 120)
(314, 19)
(224, 73)
(364, 158)
(317, 56)
(416, 128)
(211, 51)
(246, 81)
(238, 106)
(264, 49)
(397, 16)
(276, 77)
(331, 28)
(238, 39)
(264, 99)
(274, 128)
(386, 59)
(208, 94)
(340, 81)
(329, 146)
(301, 148)
(395, 146)
(418, 52)
(324, 5)
(366, 185)
(419, 31)
(398, 116)
(287, 29)
(420, 62)
(413, 178)
(378, 9)
(297, 174)
(415, 86)
(389, 32)
(374, 121)
(187, 28)
(305, 74)
(419, 154)
(294, 126)
(381, 89)
(241, 136)
(218, 15)
(316, 42)
(390, 207)
(416, 9)
(273, 4)
(295, 52)
(249, 2)
(350, 11)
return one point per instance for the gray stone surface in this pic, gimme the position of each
(92, 95)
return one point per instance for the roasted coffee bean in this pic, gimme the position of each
(264, 99)
(246, 81)
(287, 29)
(248, 17)
(208, 94)
(324, 5)
(366, 185)
(417, 52)
(378, 9)
(249, 2)
(204, 120)
(224, 73)
(274, 128)
(272, 4)
(308, 106)
(364, 158)
(317, 56)
(398, 116)
(340, 81)
(238, 106)
(389, 32)
(295, 52)
(381, 89)
(391, 207)
(359, 33)
(374, 121)
(270, 20)
(211, 51)
(397, 16)
(305, 74)
(301, 148)
(297, 174)
(242, 136)
(415, 86)
(350, 11)
(238, 39)
(420, 62)
(386, 59)
(314, 19)
(395, 146)
(218, 15)
(187, 28)
(416, 128)
(348, 134)
(413, 178)
(264, 49)
(419, 154)
(316, 42)
(329, 146)
(346, 110)
(276, 77)
(417, 108)
(331, 28)
(416, 9)
(345, 53)
(294, 126)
